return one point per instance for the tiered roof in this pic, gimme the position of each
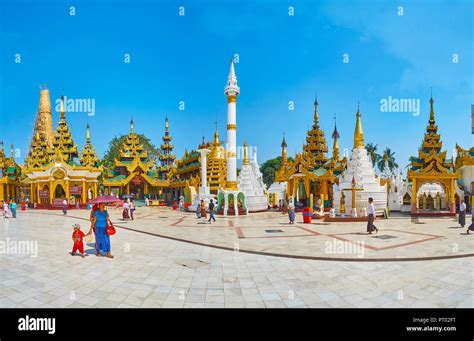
(63, 146)
(166, 156)
(89, 157)
(316, 141)
(431, 159)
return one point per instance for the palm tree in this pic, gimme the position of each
(410, 161)
(372, 151)
(389, 157)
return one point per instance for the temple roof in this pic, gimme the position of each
(315, 140)
(430, 156)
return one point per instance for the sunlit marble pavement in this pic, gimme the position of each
(151, 271)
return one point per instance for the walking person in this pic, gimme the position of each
(132, 209)
(371, 212)
(462, 213)
(100, 221)
(291, 213)
(13, 208)
(64, 206)
(211, 211)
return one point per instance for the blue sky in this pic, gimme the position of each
(282, 58)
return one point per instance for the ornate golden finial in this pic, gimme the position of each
(12, 150)
(1, 146)
(166, 124)
(316, 114)
(61, 109)
(216, 136)
(335, 147)
(246, 156)
(88, 134)
(132, 129)
(283, 150)
(358, 133)
(432, 118)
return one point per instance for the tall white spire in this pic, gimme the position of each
(232, 89)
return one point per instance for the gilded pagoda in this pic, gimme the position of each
(166, 156)
(312, 174)
(9, 176)
(52, 171)
(431, 166)
(134, 172)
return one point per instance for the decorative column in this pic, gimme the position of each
(231, 90)
(453, 198)
(413, 196)
(84, 192)
(204, 190)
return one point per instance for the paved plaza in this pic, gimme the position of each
(167, 258)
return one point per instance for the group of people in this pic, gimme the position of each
(9, 208)
(99, 218)
(128, 209)
(201, 211)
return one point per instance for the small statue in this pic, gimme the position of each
(342, 203)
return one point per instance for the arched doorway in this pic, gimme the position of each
(59, 191)
(432, 197)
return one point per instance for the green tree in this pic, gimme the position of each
(269, 168)
(388, 156)
(372, 151)
(116, 144)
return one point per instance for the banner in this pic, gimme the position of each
(44, 194)
(75, 190)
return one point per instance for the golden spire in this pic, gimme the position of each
(283, 150)
(358, 133)
(246, 156)
(88, 134)
(335, 147)
(61, 109)
(316, 114)
(166, 125)
(432, 118)
(216, 136)
(132, 129)
(12, 150)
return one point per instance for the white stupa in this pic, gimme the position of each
(367, 183)
(250, 181)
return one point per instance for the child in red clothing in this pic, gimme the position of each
(77, 236)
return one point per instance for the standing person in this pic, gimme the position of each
(291, 213)
(100, 220)
(471, 227)
(147, 202)
(64, 206)
(27, 202)
(462, 213)
(203, 209)
(371, 212)
(5, 209)
(211, 211)
(132, 209)
(13, 208)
